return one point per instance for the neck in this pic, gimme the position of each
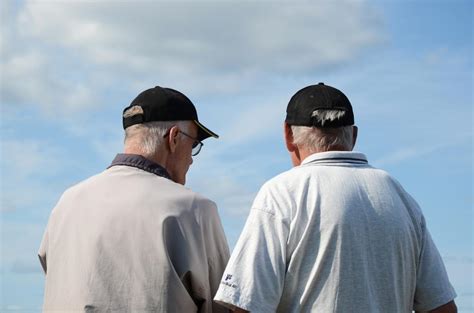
(160, 157)
(302, 153)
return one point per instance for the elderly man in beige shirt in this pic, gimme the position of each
(133, 238)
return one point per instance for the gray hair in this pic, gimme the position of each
(148, 137)
(317, 139)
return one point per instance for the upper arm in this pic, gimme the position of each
(254, 277)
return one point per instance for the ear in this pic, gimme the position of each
(355, 131)
(290, 146)
(173, 138)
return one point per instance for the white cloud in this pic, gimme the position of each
(233, 197)
(446, 56)
(25, 166)
(255, 120)
(7, 17)
(234, 183)
(403, 154)
(209, 46)
(420, 150)
(205, 35)
(32, 78)
(25, 159)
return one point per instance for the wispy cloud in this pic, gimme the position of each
(208, 46)
(222, 36)
(418, 151)
(446, 55)
(255, 120)
(25, 166)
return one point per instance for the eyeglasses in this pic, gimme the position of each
(197, 144)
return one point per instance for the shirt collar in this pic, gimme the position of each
(138, 161)
(335, 157)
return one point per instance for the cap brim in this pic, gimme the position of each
(204, 132)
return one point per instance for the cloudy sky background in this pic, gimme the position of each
(68, 68)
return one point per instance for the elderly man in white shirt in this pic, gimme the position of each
(133, 238)
(333, 234)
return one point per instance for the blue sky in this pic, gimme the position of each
(68, 68)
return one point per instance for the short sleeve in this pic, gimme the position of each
(254, 277)
(433, 288)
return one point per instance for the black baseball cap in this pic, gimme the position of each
(318, 97)
(163, 104)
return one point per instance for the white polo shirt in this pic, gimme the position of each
(335, 235)
(131, 240)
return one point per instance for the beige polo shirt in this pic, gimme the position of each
(131, 240)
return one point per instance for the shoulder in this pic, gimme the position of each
(283, 180)
(276, 195)
(80, 187)
(286, 183)
(199, 201)
(185, 199)
(409, 203)
(71, 197)
(405, 195)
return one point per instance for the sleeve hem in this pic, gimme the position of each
(436, 303)
(230, 302)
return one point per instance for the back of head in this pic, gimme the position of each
(147, 138)
(321, 119)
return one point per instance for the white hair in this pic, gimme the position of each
(148, 137)
(317, 139)
(323, 116)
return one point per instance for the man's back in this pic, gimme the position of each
(370, 233)
(130, 240)
(335, 235)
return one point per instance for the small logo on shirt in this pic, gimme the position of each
(227, 282)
